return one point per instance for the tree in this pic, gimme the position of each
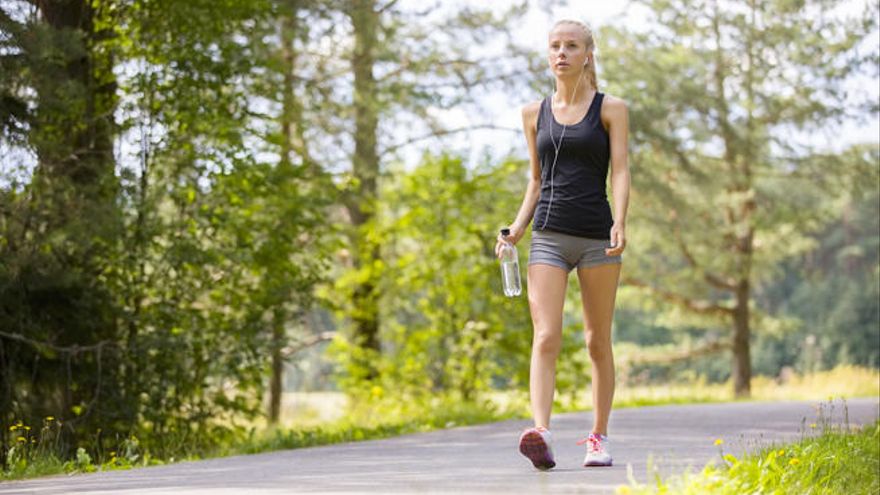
(721, 191)
(149, 296)
(59, 229)
(448, 328)
(403, 63)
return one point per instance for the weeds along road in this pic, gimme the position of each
(479, 459)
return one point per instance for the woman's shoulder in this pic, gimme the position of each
(613, 110)
(613, 103)
(530, 113)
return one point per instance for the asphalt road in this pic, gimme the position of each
(476, 459)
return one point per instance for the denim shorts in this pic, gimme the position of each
(569, 251)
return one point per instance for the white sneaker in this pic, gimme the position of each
(597, 450)
(537, 445)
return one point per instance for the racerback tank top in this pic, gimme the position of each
(580, 204)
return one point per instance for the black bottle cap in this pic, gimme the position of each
(505, 232)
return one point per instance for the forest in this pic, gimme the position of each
(205, 204)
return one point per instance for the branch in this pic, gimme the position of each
(697, 306)
(313, 341)
(439, 133)
(666, 358)
(10, 25)
(714, 280)
(74, 349)
(386, 6)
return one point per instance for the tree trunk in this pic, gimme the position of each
(739, 217)
(742, 365)
(86, 155)
(365, 164)
(74, 184)
(276, 383)
(290, 114)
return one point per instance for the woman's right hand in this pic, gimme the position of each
(514, 237)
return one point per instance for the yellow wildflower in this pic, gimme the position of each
(781, 452)
(13, 428)
(812, 425)
(794, 462)
(719, 441)
(50, 418)
(21, 439)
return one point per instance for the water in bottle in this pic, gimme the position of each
(510, 268)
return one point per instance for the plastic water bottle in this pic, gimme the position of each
(510, 268)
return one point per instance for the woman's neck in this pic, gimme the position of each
(571, 92)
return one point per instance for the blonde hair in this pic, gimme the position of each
(588, 40)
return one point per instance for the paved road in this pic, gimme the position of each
(474, 459)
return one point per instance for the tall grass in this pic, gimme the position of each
(839, 460)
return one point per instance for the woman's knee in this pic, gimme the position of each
(598, 343)
(547, 342)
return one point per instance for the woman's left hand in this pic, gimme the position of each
(618, 240)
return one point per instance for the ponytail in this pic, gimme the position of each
(591, 74)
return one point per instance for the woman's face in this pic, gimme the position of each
(567, 51)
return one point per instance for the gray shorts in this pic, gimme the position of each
(569, 251)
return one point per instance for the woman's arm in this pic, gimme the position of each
(533, 188)
(616, 114)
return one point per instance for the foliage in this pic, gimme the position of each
(840, 459)
(717, 92)
(448, 327)
(152, 313)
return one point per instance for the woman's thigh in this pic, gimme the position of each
(598, 292)
(546, 291)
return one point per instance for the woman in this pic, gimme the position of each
(572, 136)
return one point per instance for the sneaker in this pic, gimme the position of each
(597, 450)
(536, 444)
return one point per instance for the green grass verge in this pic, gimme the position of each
(35, 452)
(33, 455)
(839, 460)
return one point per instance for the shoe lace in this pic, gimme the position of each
(595, 443)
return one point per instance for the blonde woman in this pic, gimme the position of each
(574, 136)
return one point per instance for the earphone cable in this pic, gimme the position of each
(557, 148)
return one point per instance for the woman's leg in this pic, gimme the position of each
(598, 292)
(546, 288)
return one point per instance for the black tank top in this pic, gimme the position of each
(580, 205)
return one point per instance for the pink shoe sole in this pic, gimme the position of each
(532, 445)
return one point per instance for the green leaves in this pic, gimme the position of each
(721, 194)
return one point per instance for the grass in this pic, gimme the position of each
(33, 455)
(841, 382)
(327, 418)
(840, 459)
